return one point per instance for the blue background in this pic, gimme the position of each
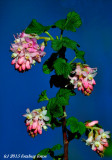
(20, 90)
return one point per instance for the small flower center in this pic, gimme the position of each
(97, 144)
(104, 135)
(90, 77)
(19, 49)
(79, 84)
(29, 116)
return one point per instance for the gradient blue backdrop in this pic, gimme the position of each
(19, 91)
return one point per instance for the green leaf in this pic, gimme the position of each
(44, 152)
(54, 109)
(62, 68)
(76, 126)
(62, 101)
(48, 65)
(73, 123)
(56, 44)
(36, 27)
(50, 151)
(80, 55)
(46, 69)
(60, 24)
(65, 93)
(63, 96)
(56, 147)
(72, 22)
(55, 123)
(108, 150)
(68, 43)
(82, 128)
(43, 97)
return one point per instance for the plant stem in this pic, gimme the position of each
(45, 38)
(65, 140)
(49, 35)
(73, 60)
(61, 34)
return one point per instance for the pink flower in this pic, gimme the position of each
(36, 120)
(97, 138)
(91, 124)
(83, 78)
(26, 51)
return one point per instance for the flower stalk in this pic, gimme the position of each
(65, 140)
(73, 60)
(49, 35)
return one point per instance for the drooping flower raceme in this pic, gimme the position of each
(83, 78)
(26, 51)
(36, 120)
(97, 138)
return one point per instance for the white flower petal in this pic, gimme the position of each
(93, 147)
(46, 118)
(44, 112)
(28, 110)
(101, 131)
(45, 127)
(107, 132)
(98, 138)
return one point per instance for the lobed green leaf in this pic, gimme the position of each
(48, 65)
(72, 22)
(50, 151)
(62, 67)
(43, 97)
(108, 150)
(76, 126)
(54, 109)
(80, 55)
(56, 44)
(56, 147)
(36, 27)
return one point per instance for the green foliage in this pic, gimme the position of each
(62, 101)
(56, 147)
(43, 97)
(55, 106)
(46, 69)
(54, 109)
(48, 65)
(80, 55)
(76, 126)
(82, 128)
(65, 41)
(50, 151)
(63, 95)
(44, 152)
(62, 67)
(36, 28)
(61, 24)
(108, 150)
(68, 43)
(73, 19)
(55, 122)
(56, 44)
(72, 22)
(73, 123)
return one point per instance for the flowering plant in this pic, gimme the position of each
(68, 76)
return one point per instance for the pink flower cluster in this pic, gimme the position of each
(26, 51)
(83, 78)
(97, 138)
(36, 120)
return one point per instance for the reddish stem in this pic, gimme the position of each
(65, 140)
